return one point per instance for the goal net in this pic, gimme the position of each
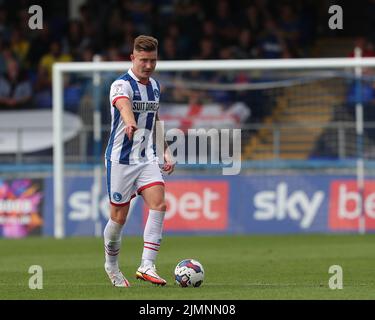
(316, 115)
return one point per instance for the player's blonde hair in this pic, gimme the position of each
(145, 43)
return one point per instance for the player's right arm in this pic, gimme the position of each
(127, 115)
(120, 98)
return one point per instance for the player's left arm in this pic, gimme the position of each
(169, 162)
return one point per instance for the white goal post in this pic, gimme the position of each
(192, 65)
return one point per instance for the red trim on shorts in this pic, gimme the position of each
(118, 98)
(119, 204)
(150, 185)
(122, 204)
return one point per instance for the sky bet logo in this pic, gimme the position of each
(195, 205)
(345, 205)
(281, 204)
(343, 198)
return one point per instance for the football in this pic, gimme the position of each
(189, 273)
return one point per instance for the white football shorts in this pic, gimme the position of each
(125, 181)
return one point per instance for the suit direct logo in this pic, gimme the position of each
(117, 196)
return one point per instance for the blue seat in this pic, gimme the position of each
(72, 97)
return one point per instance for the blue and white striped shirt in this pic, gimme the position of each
(144, 99)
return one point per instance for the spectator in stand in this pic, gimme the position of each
(15, 88)
(367, 87)
(87, 54)
(140, 13)
(253, 20)
(115, 27)
(370, 14)
(271, 44)
(75, 42)
(168, 49)
(88, 21)
(290, 27)
(113, 54)
(366, 46)
(43, 90)
(181, 43)
(22, 22)
(20, 46)
(5, 55)
(54, 55)
(227, 29)
(128, 35)
(189, 29)
(43, 84)
(245, 48)
(4, 27)
(40, 41)
(209, 29)
(207, 49)
(189, 15)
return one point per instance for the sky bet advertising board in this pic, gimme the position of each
(238, 205)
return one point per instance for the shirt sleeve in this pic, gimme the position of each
(120, 89)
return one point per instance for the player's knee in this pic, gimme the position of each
(119, 214)
(119, 220)
(160, 206)
(163, 207)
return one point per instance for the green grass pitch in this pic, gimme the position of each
(236, 267)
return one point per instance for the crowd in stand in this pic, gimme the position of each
(188, 29)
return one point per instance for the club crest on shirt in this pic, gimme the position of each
(117, 196)
(118, 87)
